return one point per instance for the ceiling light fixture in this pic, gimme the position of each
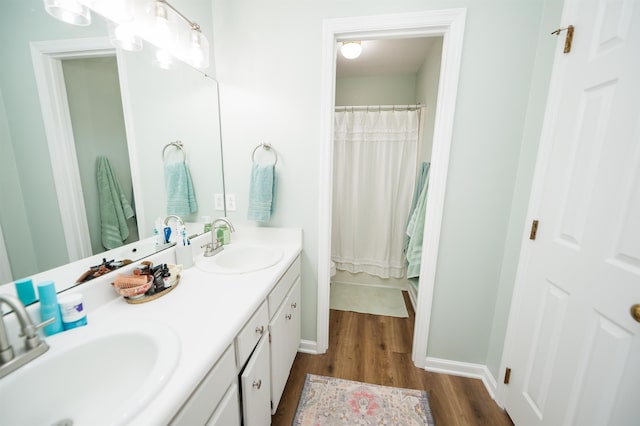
(351, 49)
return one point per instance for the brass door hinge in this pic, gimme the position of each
(534, 230)
(507, 376)
(568, 39)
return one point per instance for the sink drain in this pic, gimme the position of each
(63, 422)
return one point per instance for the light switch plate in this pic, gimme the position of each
(231, 202)
(219, 202)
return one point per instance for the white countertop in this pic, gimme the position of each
(205, 310)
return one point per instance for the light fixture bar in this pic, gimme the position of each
(193, 25)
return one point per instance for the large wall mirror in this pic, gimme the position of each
(121, 106)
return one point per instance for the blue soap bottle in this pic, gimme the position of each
(49, 307)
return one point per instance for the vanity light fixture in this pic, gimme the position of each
(123, 36)
(155, 21)
(69, 11)
(351, 49)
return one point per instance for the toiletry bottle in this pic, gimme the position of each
(25, 291)
(72, 311)
(220, 235)
(226, 234)
(207, 223)
(158, 238)
(49, 307)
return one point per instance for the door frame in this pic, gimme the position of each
(47, 59)
(449, 24)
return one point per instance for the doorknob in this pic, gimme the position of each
(635, 312)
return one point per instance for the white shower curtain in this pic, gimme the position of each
(375, 157)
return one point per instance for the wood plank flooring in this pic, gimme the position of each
(377, 349)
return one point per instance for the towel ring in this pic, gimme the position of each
(178, 145)
(267, 147)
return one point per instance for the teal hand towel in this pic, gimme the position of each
(181, 198)
(262, 192)
(114, 207)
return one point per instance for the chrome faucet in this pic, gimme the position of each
(214, 247)
(173, 216)
(33, 345)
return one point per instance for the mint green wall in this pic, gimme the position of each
(376, 90)
(12, 214)
(20, 23)
(530, 137)
(95, 105)
(269, 64)
(427, 88)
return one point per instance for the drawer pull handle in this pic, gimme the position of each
(260, 329)
(294, 305)
(288, 316)
(257, 384)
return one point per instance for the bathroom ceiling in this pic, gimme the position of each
(386, 57)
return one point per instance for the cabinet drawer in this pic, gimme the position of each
(228, 412)
(250, 334)
(281, 289)
(204, 400)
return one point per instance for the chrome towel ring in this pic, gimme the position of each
(267, 147)
(176, 144)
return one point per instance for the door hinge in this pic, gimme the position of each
(534, 230)
(507, 376)
(568, 39)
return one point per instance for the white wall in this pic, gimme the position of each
(268, 62)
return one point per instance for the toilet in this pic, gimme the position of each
(333, 268)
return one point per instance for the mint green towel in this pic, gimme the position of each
(415, 231)
(262, 192)
(181, 198)
(114, 207)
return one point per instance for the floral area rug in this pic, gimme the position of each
(331, 401)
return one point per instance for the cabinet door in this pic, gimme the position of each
(255, 384)
(228, 412)
(285, 340)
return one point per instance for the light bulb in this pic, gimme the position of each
(351, 49)
(199, 49)
(69, 11)
(124, 37)
(162, 34)
(163, 59)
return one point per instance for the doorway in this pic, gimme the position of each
(448, 24)
(385, 110)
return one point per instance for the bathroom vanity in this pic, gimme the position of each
(229, 342)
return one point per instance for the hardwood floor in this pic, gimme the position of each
(377, 349)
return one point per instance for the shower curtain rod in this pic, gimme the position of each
(380, 107)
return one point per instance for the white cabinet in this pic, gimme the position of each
(228, 412)
(203, 401)
(255, 387)
(285, 340)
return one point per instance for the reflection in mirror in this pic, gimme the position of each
(156, 107)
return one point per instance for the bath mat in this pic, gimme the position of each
(367, 299)
(331, 401)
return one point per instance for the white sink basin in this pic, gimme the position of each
(103, 379)
(240, 259)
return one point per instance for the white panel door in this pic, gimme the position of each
(576, 348)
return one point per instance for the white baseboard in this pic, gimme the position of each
(308, 347)
(463, 369)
